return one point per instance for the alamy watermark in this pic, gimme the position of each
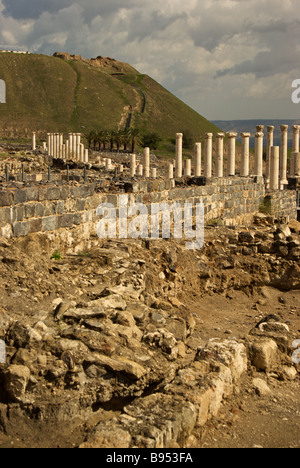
(2, 92)
(154, 221)
(296, 93)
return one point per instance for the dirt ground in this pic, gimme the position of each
(246, 420)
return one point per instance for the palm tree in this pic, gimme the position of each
(126, 138)
(118, 139)
(134, 134)
(91, 137)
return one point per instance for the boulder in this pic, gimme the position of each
(15, 382)
(264, 354)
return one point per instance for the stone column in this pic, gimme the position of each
(292, 164)
(70, 145)
(197, 160)
(297, 164)
(295, 149)
(108, 164)
(49, 144)
(270, 140)
(259, 150)
(153, 173)
(55, 145)
(67, 149)
(208, 155)
(231, 153)
(140, 169)
(147, 162)
(61, 142)
(86, 156)
(188, 168)
(220, 154)
(178, 155)
(58, 145)
(245, 169)
(63, 151)
(274, 168)
(33, 141)
(78, 140)
(81, 150)
(132, 165)
(296, 129)
(44, 146)
(52, 144)
(170, 171)
(283, 155)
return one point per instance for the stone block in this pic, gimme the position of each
(20, 196)
(29, 210)
(264, 354)
(66, 220)
(6, 198)
(35, 225)
(60, 207)
(64, 192)
(32, 193)
(5, 215)
(17, 213)
(80, 204)
(49, 223)
(113, 200)
(21, 229)
(77, 219)
(53, 193)
(39, 210)
(15, 381)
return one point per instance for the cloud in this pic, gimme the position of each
(201, 50)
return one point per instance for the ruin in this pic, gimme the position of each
(135, 339)
(234, 198)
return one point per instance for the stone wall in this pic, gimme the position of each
(57, 207)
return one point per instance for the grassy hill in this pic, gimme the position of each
(65, 93)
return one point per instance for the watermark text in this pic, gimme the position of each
(154, 221)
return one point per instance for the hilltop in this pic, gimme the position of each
(64, 92)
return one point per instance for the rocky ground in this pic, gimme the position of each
(142, 343)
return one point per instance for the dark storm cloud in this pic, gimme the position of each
(32, 9)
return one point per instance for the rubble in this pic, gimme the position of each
(103, 340)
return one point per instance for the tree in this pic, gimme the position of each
(150, 140)
(134, 135)
(187, 140)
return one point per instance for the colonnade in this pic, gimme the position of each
(72, 149)
(276, 170)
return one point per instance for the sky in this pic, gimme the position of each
(226, 59)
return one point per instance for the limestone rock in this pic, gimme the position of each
(264, 354)
(2, 352)
(261, 387)
(16, 380)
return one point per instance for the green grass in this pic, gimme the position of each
(48, 94)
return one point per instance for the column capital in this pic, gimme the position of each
(220, 135)
(259, 134)
(231, 134)
(260, 128)
(296, 128)
(270, 128)
(208, 135)
(245, 134)
(179, 135)
(284, 128)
